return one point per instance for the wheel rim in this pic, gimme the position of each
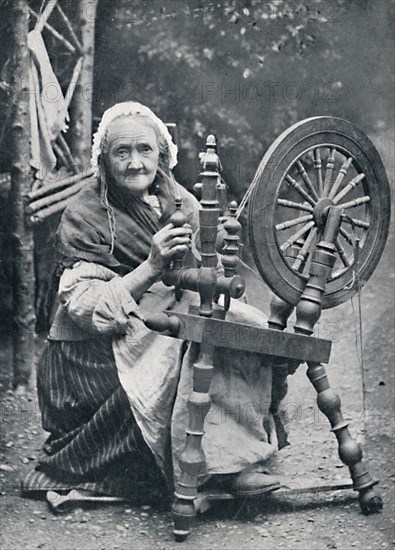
(317, 162)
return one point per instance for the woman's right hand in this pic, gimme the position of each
(168, 243)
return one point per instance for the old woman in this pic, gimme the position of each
(112, 393)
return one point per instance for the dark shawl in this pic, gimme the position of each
(84, 232)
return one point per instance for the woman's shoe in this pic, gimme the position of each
(251, 484)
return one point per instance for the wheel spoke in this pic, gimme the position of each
(303, 252)
(291, 223)
(356, 222)
(330, 166)
(349, 187)
(346, 235)
(289, 242)
(318, 170)
(305, 177)
(296, 205)
(342, 253)
(300, 190)
(342, 172)
(355, 202)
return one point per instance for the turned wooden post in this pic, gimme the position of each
(208, 220)
(192, 459)
(308, 312)
(230, 252)
(350, 451)
(280, 311)
(192, 462)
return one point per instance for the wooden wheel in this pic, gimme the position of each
(316, 163)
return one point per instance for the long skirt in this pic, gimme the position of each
(95, 443)
(117, 410)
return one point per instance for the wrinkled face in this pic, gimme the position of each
(132, 154)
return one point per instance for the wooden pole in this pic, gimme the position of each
(73, 82)
(55, 33)
(50, 187)
(81, 106)
(21, 180)
(67, 153)
(53, 208)
(44, 16)
(55, 198)
(69, 28)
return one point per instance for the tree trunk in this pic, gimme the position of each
(21, 180)
(81, 106)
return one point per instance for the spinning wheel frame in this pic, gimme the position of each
(208, 326)
(340, 138)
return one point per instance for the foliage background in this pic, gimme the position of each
(246, 69)
(243, 69)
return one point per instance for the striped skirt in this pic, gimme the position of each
(94, 443)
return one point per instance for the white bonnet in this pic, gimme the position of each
(130, 108)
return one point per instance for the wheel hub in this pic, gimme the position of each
(320, 212)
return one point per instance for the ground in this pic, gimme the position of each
(295, 522)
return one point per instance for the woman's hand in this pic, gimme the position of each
(168, 243)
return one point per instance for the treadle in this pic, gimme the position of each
(294, 486)
(289, 486)
(61, 503)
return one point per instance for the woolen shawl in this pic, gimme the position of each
(84, 232)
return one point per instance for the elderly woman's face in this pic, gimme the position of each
(132, 154)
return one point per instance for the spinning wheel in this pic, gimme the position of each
(318, 221)
(317, 163)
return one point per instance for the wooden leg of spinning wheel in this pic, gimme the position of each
(279, 313)
(192, 459)
(350, 451)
